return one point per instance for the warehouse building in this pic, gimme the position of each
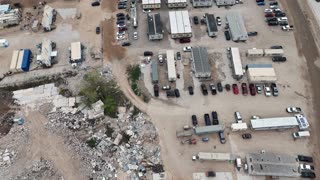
(269, 164)
(151, 4)
(212, 27)
(273, 52)
(202, 3)
(12, 17)
(255, 52)
(155, 31)
(47, 18)
(180, 26)
(236, 63)
(236, 27)
(154, 72)
(261, 73)
(200, 62)
(225, 2)
(172, 75)
(177, 3)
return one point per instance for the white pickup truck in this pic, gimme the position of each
(293, 109)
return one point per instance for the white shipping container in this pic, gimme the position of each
(172, 75)
(19, 62)
(14, 61)
(239, 126)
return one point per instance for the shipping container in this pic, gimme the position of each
(19, 62)
(14, 61)
(26, 60)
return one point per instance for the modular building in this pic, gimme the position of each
(237, 28)
(200, 62)
(134, 17)
(273, 52)
(47, 53)
(202, 3)
(255, 52)
(13, 17)
(76, 53)
(180, 26)
(236, 63)
(208, 129)
(274, 123)
(261, 73)
(216, 156)
(239, 126)
(47, 18)
(177, 3)
(155, 31)
(154, 73)
(5, 8)
(151, 4)
(14, 61)
(172, 75)
(212, 27)
(225, 2)
(23, 62)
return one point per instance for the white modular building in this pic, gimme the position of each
(151, 4)
(237, 28)
(216, 156)
(202, 3)
(47, 18)
(180, 26)
(12, 17)
(255, 52)
(14, 61)
(273, 52)
(261, 73)
(177, 3)
(236, 63)
(225, 2)
(76, 53)
(172, 74)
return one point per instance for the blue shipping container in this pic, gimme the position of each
(26, 60)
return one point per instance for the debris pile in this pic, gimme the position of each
(6, 157)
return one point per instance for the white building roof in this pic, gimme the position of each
(177, 1)
(274, 122)
(179, 22)
(262, 75)
(4, 7)
(216, 156)
(151, 2)
(47, 16)
(46, 50)
(172, 75)
(14, 60)
(236, 61)
(75, 51)
(255, 51)
(273, 51)
(239, 126)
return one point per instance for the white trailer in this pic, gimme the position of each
(274, 123)
(151, 4)
(172, 75)
(255, 52)
(177, 3)
(273, 52)
(180, 26)
(239, 126)
(14, 61)
(236, 63)
(19, 62)
(216, 156)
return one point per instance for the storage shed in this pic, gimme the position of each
(154, 72)
(180, 26)
(200, 62)
(47, 17)
(225, 2)
(273, 52)
(261, 73)
(172, 75)
(212, 27)
(177, 3)
(255, 52)
(236, 63)
(155, 31)
(151, 4)
(237, 28)
(76, 54)
(202, 3)
(26, 60)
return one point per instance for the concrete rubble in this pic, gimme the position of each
(6, 157)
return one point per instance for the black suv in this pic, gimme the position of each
(215, 120)
(207, 119)
(279, 59)
(204, 89)
(222, 138)
(177, 93)
(220, 88)
(308, 175)
(305, 158)
(190, 89)
(194, 120)
(195, 20)
(274, 88)
(227, 35)
(148, 53)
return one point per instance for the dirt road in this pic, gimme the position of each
(47, 146)
(307, 48)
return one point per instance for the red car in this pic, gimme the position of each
(252, 89)
(244, 89)
(269, 15)
(235, 89)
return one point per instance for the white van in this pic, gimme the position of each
(301, 134)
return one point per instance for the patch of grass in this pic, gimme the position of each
(92, 142)
(134, 73)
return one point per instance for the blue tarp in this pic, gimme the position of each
(26, 60)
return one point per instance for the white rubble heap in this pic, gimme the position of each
(6, 157)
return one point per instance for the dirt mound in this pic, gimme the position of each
(6, 120)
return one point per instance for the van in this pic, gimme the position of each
(301, 134)
(238, 163)
(238, 117)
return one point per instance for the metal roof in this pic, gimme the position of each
(154, 66)
(261, 73)
(236, 26)
(216, 156)
(46, 50)
(274, 123)
(201, 61)
(177, 1)
(151, 2)
(14, 60)
(75, 51)
(236, 61)
(208, 129)
(47, 16)
(211, 22)
(172, 75)
(179, 22)
(154, 24)
(273, 51)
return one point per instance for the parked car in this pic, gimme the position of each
(177, 93)
(268, 11)
(268, 19)
(222, 137)
(146, 10)
(279, 59)
(187, 49)
(96, 3)
(203, 21)
(205, 139)
(120, 15)
(275, 91)
(273, 7)
(280, 14)
(126, 44)
(195, 20)
(147, 53)
(293, 109)
(215, 120)
(235, 89)
(276, 47)
(185, 40)
(273, 3)
(122, 28)
(287, 28)
(273, 23)
(120, 22)
(269, 14)
(194, 120)
(244, 89)
(252, 89)
(218, 19)
(283, 23)
(246, 136)
(207, 119)
(166, 87)
(227, 35)
(97, 30)
(121, 18)
(267, 91)
(227, 86)
(190, 89)
(308, 175)
(204, 89)
(220, 88)
(192, 141)
(261, 3)
(160, 58)
(121, 6)
(305, 158)
(253, 33)
(210, 174)
(213, 89)
(238, 117)
(178, 56)
(156, 90)
(306, 167)
(170, 93)
(135, 35)
(259, 89)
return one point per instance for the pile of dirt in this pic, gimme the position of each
(6, 115)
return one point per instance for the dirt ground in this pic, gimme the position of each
(6, 114)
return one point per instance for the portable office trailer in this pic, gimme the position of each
(303, 122)
(261, 73)
(183, 134)
(225, 2)
(177, 3)
(154, 73)
(239, 126)
(47, 17)
(202, 3)
(13, 17)
(274, 123)
(151, 4)
(208, 129)
(301, 134)
(26, 60)
(172, 75)
(237, 28)
(255, 52)
(155, 31)
(180, 26)
(76, 54)
(134, 18)
(216, 156)
(14, 61)
(212, 27)
(19, 62)
(236, 63)
(273, 52)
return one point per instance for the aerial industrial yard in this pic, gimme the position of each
(159, 89)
